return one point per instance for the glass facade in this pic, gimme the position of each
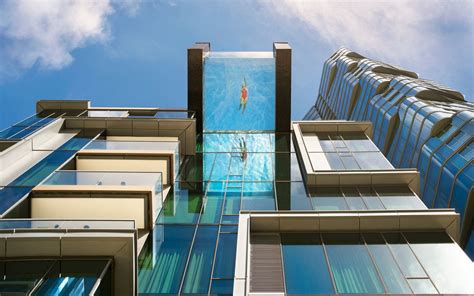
(358, 198)
(212, 188)
(343, 151)
(373, 263)
(416, 124)
(56, 277)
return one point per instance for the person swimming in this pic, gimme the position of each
(244, 95)
(243, 149)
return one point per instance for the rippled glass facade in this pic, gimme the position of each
(416, 124)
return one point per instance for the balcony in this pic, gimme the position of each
(136, 144)
(128, 122)
(143, 153)
(339, 153)
(140, 113)
(59, 254)
(40, 225)
(107, 195)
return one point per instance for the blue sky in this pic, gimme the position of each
(132, 53)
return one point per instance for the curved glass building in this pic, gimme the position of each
(417, 124)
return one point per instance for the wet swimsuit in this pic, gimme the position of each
(244, 94)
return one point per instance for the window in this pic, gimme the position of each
(372, 161)
(399, 197)
(304, 252)
(344, 151)
(442, 261)
(371, 263)
(364, 197)
(170, 261)
(200, 263)
(225, 257)
(392, 276)
(328, 198)
(351, 264)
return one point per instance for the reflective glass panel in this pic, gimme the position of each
(444, 261)
(422, 286)
(258, 196)
(292, 196)
(198, 272)
(222, 287)
(353, 199)
(351, 265)
(328, 198)
(372, 161)
(404, 256)
(161, 271)
(225, 257)
(304, 252)
(182, 205)
(391, 274)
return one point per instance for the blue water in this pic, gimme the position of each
(203, 206)
(224, 74)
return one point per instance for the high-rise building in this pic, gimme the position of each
(226, 196)
(417, 124)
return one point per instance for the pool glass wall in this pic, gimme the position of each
(225, 75)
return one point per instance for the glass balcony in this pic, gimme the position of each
(52, 224)
(133, 145)
(56, 277)
(141, 113)
(28, 126)
(139, 146)
(108, 179)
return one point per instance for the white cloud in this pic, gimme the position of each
(45, 32)
(408, 32)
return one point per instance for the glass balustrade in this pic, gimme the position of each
(49, 224)
(138, 146)
(108, 178)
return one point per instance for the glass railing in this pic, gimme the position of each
(51, 224)
(139, 145)
(28, 126)
(141, 113)
(108, 178)
(49, 276)
(174, 114)
(133, 145)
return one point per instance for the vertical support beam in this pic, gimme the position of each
(196, 80)
(282, 53)
(467, 224)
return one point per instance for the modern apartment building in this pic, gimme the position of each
(224, 197)
(417, 124)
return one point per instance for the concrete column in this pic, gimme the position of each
(282, 53)
(196, 80)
